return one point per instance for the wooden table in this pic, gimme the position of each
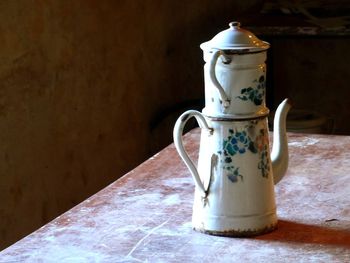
(145, 216)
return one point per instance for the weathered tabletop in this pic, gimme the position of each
(146, 215)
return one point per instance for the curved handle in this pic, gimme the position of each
(212, 63)
(178, 130)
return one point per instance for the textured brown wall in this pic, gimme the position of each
(313, 72)
(79, 83)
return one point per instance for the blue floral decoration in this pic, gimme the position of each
(255, 94)
(234, 174)
(238, 142)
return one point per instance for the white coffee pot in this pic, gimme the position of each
(234, 193)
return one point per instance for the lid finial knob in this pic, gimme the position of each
(235, 24)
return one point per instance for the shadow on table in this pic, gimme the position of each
(289, 231)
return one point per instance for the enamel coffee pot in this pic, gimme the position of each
(234, 181)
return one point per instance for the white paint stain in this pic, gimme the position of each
(304, 143)
(172, 200)
(146, 236)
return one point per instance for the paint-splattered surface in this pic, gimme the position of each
(146, 215)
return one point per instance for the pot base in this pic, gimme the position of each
(239, 233)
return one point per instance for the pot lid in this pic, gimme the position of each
(237, 39)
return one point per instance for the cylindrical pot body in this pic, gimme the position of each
(234, 163)
(242, 77)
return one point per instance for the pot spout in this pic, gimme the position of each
(279, 154)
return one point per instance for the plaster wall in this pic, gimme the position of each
(313, 72)
(80, 82)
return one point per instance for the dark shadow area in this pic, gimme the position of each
(289, 231)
